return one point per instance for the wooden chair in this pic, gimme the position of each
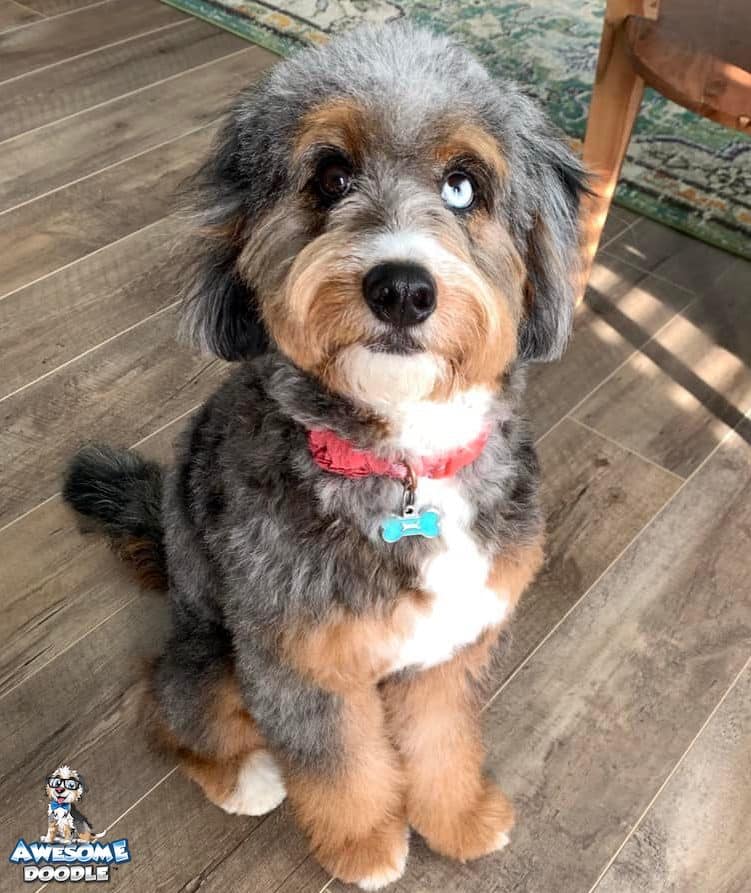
(695, 52)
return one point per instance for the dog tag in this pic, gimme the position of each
(411, 522)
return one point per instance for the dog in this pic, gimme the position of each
(65, 822)
(384, 237)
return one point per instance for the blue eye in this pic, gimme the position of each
(458, 191)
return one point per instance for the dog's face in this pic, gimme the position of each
(386, 270)
(394, 221)
(64, 785)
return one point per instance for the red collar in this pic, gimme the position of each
(338, 456)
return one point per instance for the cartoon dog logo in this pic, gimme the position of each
(65, 822)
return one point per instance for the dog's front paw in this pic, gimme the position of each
(372, 861)
(259, 787)
(45, 838)
(478, 831)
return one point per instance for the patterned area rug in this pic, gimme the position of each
(681, 169)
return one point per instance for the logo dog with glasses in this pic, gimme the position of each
(65, 822)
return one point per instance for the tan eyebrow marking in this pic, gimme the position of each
(470, 139)
(339, 123)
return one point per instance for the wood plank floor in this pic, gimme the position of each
(619, 719)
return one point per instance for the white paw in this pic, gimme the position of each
(501, 841)
(45, 838)
(259, 787)
(388, 875)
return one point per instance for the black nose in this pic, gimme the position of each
(400, 293)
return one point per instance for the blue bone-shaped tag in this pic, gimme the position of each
(411, 523)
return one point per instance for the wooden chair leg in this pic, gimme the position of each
(615, 104)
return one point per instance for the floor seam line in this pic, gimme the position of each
(141, 798)
(23, 6)
(166, 425)
(134, 446)
(128, 601)
(67, 648)
(88, 351)
(287, 876)
(628, 449)
(107, 167)
(658, 276)
(671, 774)
(603, 246)
(83, 257)
(582, 598)
(59, 15)
(104, 46)
(634, 353)
(246, 49)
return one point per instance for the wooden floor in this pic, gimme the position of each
(621, 718)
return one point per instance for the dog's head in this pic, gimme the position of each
(392, 219)
(64, 785)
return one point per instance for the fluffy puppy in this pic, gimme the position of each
(385, 237)
(64, 790)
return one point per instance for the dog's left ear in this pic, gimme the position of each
(553, 253)
(219, 312)
(84, 786)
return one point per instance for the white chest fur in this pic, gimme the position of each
(463, 606)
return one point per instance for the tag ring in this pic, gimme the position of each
(410, 486)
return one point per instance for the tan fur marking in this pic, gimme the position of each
(234, 732)
(217, 779)
(355, 816)
(339, 124)
(230, 231)
(319, 311)
(471, 140)
(144, 559)
(433, 717)
(488, 235)
(233, 735)
(488, 315)
(513, 571)
(475, 326)
(350, 651)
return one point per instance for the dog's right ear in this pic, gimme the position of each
(219, 313)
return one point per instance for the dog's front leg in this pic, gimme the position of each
(434, 719)
(343, 776)
(353, 810)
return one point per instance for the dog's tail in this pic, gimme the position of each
(120, 494)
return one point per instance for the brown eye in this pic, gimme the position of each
(334, 178)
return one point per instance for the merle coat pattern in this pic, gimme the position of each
(255, 538)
